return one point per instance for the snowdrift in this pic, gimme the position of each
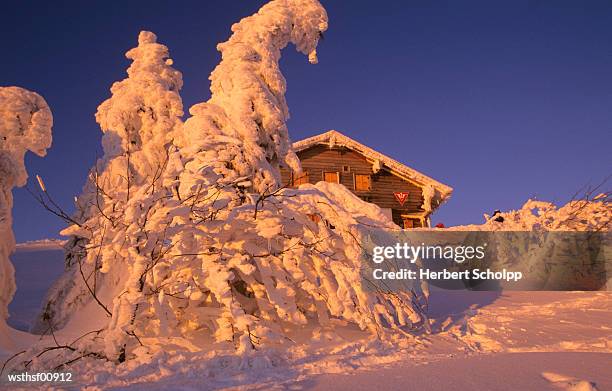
(577, 215)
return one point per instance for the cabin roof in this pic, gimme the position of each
(334, 138)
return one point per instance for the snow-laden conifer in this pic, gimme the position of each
(25, 125)
(212, 247)
(139, 121)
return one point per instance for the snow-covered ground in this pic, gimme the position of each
(480, 340)
(505, 371)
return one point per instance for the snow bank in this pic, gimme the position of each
(577, 215)
(554, 261)
(25, 125)
(42, 244)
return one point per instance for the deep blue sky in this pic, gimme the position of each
(501, 100)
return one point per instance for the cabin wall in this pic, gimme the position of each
(319, 159)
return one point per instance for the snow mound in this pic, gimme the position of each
(578, 215)
(42, 244)
(568, 383)
(553, 236)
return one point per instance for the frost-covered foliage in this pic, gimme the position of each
(25, 125)
(244, 122)
(208, 244)
(577, 215)
(139, 121)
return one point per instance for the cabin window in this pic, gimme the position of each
(346, 168)
(333, 177)
(363, 182)
(299, 179)
(408, 223)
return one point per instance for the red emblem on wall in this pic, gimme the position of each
(401, 197)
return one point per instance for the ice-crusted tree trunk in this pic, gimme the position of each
(25, 125)
(213, 245)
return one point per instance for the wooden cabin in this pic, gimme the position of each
(405, 195)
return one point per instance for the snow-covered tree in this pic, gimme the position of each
(248, 111)
(25, 125)
(139, 121)
(212, 244)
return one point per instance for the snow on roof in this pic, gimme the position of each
(333, 137)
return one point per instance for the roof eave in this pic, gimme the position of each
(392, 164)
